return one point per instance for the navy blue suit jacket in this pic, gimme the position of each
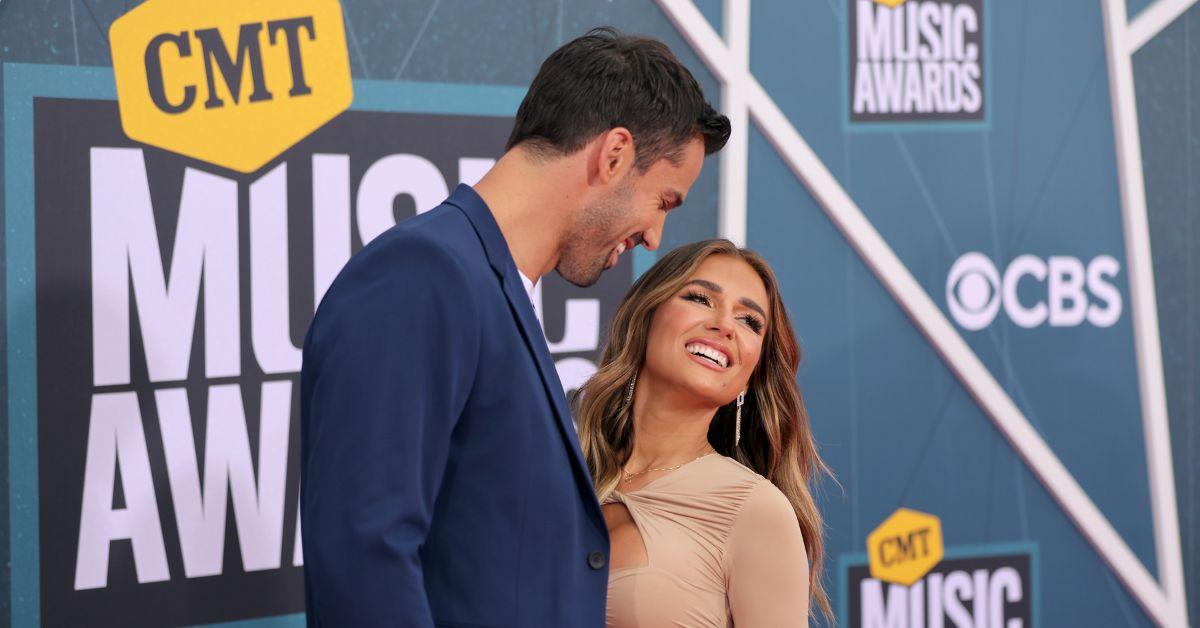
(442, 482)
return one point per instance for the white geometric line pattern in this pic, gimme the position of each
(731, 208)
(1122, 39)
(729, 63)
(1151, 20)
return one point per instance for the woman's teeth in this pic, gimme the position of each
(706, 351)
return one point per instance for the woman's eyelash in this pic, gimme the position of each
(751, 321)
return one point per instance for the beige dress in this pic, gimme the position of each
(722, 544)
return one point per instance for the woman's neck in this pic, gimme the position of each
(666, 431)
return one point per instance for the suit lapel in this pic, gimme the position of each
(502, 263)
(535, 340)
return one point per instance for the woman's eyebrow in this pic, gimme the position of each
(752, 305)
(704, 283)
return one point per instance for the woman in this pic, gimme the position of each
(699, 446)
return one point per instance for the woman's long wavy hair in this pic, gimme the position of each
(776, 441)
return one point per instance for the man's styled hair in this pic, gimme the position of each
(606, 79)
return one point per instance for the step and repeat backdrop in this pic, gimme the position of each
(984, 216)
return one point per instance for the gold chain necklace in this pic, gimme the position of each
(629, 476)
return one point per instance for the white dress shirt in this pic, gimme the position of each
(529, 284)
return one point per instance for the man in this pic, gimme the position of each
(442, 482)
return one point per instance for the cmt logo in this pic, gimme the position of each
(229, 82)
(1060, 290)
(905, 546)
(216, 55)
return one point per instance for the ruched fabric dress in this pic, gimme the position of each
(722, 546)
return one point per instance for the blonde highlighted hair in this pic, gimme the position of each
(776, 440)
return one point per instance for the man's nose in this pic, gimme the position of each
(650, 240)
(652, 237)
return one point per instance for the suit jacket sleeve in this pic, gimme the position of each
(388, 364)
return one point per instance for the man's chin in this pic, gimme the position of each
(582, 277)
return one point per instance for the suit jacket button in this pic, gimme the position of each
(596, 560)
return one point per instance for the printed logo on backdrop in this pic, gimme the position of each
(914, 61)
(1058, 291)
(172, 301)
(905, 546)
(908, 579)
(230, 82)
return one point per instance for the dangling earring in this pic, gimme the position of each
(737, 426)
(629, 391)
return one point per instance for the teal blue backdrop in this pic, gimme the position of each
(1038, 177)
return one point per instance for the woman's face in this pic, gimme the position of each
(706, 338)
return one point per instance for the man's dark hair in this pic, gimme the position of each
(605, 80)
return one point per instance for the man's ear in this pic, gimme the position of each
(617, 154)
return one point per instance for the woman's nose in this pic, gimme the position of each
(722, 323)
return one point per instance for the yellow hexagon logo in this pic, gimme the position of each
(230, 82)
(905, 547)
(890, 3)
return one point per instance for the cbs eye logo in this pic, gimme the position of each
(1060, 290)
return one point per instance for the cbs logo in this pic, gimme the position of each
(1067, 292)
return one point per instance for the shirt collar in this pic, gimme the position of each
(529, 285)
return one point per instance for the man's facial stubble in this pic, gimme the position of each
(592, 236)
